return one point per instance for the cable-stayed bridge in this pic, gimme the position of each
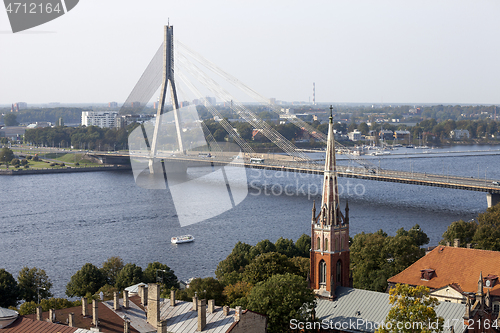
(192, 77)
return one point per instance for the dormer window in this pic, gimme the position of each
(490, 281)
(427, 274)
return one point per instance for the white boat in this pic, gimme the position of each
(182, 239)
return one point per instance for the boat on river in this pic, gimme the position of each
(182, 239)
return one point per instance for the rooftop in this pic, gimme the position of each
(363, 310)
(455, 266)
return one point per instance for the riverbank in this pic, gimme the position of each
(16, 172)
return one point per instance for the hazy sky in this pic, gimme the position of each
(437, 51)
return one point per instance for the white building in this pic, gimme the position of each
(355, 135)
(459, 134)
(100, 119)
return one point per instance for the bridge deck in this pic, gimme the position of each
(285, 164)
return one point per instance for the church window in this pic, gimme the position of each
(322, 273)
(325, 248)
(339, 271)
(318, 244)
(342, 245)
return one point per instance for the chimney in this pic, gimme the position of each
(143, 293)
(447, 243)
(71, 319)
(95, 317)
(52, 316)
(202, 315)
(469, 245)
(211, 306)
(172, 297)
(116, 301)
(195, 302)
(162, 327)
(237, 313)
(125, 299)
(126, 326)
(153, 304)
(84, 307)
(38, 313)
(225, 310)
(456, 242)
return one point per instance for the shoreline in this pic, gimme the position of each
(18, 172)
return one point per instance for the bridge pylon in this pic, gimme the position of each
(167, 81)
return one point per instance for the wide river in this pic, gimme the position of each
(58, 222)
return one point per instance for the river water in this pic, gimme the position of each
(59, 222)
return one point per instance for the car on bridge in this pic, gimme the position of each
(496, 183)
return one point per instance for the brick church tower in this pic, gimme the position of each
(329, 232)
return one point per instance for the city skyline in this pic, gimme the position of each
(355, 52)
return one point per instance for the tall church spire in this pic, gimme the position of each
(330, 191)
(329, 256)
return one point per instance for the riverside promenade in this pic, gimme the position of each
(16, 172)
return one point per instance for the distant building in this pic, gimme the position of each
(39, 124)
(459, 134)
(13, 133)
(402, 136)
(210, 101)
(100, 119)
(386, 135)
(18, 106)
(135, 105)
(125, 120)
(112, 105)
(354, 135)
(258, 135)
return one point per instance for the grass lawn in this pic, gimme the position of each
(67, 159)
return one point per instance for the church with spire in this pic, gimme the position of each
(329, 232)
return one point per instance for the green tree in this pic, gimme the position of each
(369, 261)
(111, 268)
(10, 119)
(166, 276)
(89, 279)
(46, 304)
(303, 245)
(363, 128)
(282, 297)
(487, 235)
(235, 292)
(266, 265)
(413, 308)
(244, 130)
(235, 261)
(129, 275)
(464, 231)
(376, 257)
(302, 264)
(207, 288)
(8, 289)
(286, 247)
(6, 155)
(32, 283)
(264, 246)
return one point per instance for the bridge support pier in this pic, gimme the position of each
(493, 199)
(156, 167)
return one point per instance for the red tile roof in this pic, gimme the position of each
(109, 322)
(27, 325)
(455, 266)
